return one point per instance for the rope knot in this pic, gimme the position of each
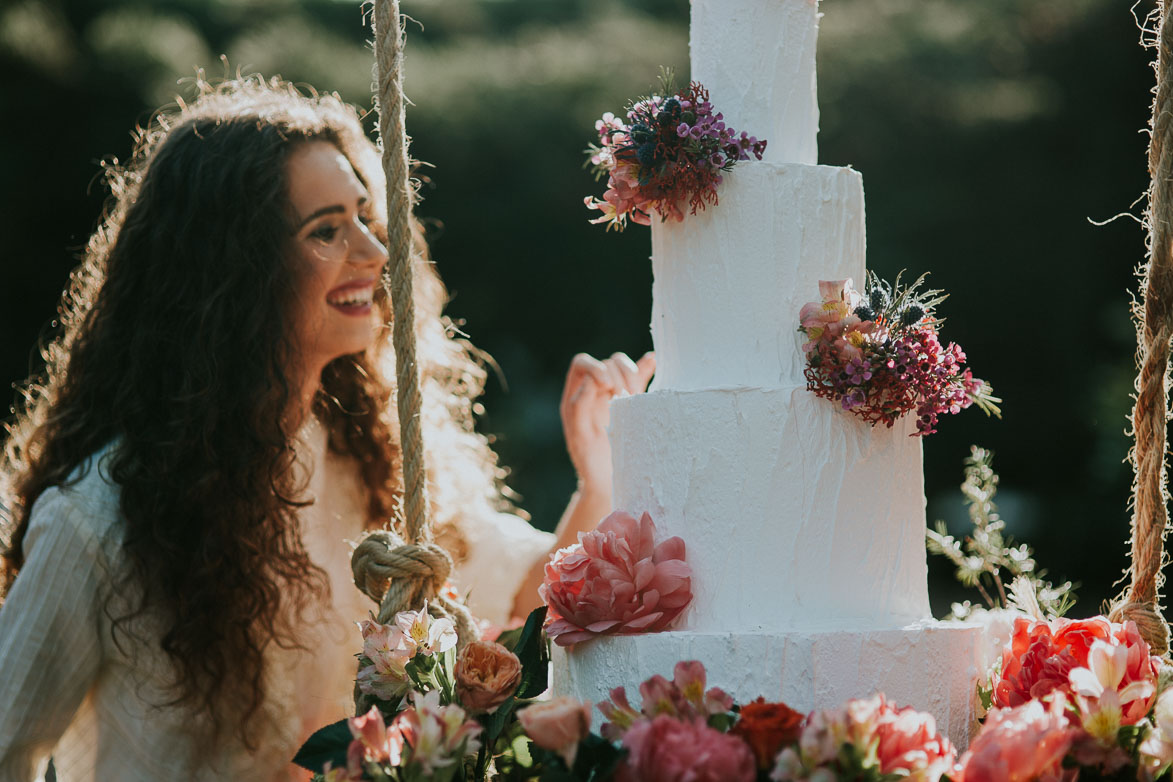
(1149, 622)
(384, 562)
(402, 576)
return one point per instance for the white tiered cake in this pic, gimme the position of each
(804, 526)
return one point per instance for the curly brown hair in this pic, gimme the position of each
(174, 344)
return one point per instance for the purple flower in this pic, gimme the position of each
(682, 129)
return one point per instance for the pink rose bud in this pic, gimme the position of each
(486, 675)
(557, 725)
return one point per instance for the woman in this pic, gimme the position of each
(215, 424)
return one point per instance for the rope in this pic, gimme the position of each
(1151, 412)
(401, 574)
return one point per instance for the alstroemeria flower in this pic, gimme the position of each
(439, 736)
(373, 742)
(685, 697)
(425, 634)
(1102, 700)
(388, 650)
(1156, 751)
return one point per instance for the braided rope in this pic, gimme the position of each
(403, 574)
(1155, 328)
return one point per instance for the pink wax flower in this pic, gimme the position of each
(1020, 744)
(667, 749)
(616, 580)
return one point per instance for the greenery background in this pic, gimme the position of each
(989, 132)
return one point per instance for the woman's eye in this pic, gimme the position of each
(325, 233)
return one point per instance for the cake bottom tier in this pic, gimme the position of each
(932, 666)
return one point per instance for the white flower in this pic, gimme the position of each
(1101, 704)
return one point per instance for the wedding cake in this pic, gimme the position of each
(804, 526)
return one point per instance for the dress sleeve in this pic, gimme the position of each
(50, 647)
(502, 549)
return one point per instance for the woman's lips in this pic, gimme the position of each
(353, 298)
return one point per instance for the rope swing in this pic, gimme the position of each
(1154, 331)
(402, 573)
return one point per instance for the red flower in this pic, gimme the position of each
(1041, 655)
(766, 728)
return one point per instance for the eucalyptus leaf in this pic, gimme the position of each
(326, 745)
(534, 655)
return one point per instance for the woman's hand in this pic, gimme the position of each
(590, 386)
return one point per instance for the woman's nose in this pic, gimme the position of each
(365, 248)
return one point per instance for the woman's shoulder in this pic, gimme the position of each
(86, 505)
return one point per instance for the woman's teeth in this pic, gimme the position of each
(352, 298)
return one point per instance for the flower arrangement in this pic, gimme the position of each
(669, 151)
(428, 712)
(879, 355)
(616, 580)
(1071, 700)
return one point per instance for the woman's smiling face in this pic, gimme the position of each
(341, 260)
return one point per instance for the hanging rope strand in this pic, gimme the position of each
(403, 574)
(389, 54)
(1150, 415)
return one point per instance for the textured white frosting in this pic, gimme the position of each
(795, 515)
(758, 61)
(929, 665)
(729, 281)
(804, 526)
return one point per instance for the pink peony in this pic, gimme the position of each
(557, 725)
(616, 579)
(666, 749)
(1041, 656)
(1023, 743)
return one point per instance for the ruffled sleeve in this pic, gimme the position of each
(50, 648)
(503, 549)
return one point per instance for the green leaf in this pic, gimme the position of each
(327, 744)
(534, 654)
(597, 759)
(521, 751)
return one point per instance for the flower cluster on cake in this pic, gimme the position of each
(670, 151)
(879, 355)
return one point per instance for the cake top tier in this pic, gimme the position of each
(757, 59)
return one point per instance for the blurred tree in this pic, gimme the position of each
(988, 131)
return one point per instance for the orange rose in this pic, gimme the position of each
(766, 728)
(557, 725)
(486, 675)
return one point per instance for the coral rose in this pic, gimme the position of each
(1024, 743)
(766, 728)
(616, 579)
(486, 675)
(666, 749)
(557, 725)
